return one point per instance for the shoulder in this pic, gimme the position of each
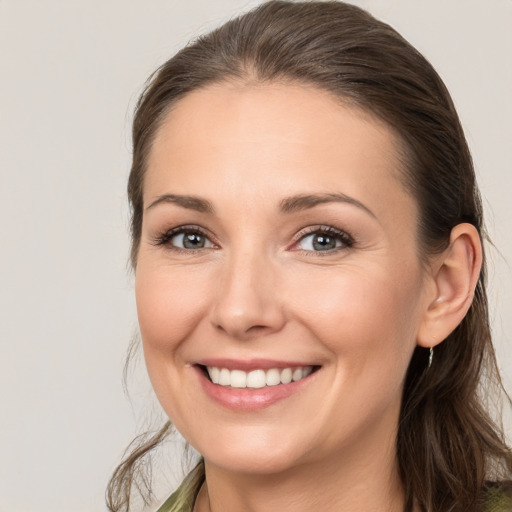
(498, 497)
(182, 500)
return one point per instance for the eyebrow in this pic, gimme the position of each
(306, 201)
(189, 202)
(288, 205)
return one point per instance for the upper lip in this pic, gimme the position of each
(251, 364)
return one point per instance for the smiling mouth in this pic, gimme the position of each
(256, 379)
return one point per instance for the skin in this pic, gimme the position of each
(258, 289)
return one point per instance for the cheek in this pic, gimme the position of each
(169, 306)
(361, 312)
(368, 322)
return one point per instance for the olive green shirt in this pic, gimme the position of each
(498, 498)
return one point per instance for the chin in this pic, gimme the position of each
(252, 463)
(262, 456)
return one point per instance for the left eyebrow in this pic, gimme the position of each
(305, 201)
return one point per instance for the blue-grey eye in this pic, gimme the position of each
(191, 240)
(320, 242)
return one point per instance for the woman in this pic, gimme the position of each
(306, 236)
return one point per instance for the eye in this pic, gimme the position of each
(323, 240)
(190, 240)
(185, 238)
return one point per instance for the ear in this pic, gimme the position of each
(454, 277)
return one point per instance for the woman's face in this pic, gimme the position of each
(278, 255)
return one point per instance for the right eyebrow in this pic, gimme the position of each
(189, 202)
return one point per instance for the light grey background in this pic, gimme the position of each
(70, 73)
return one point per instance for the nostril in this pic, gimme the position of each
(257, 328)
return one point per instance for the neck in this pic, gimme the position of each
(356, 480)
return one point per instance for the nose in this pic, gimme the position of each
(247, 303)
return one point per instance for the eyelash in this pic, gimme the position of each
(346, 240)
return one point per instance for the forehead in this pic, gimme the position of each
(265, 140)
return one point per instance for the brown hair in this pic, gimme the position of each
(447, 444)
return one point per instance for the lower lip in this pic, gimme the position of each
(247, 399)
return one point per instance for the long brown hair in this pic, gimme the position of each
(447, 445)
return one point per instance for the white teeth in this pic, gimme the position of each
(297, 374)
(225, 377)
(273, 377)
(215, 373)
(257, 378)
(286, 376)
(238, 379)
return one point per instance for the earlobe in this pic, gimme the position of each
(455, 275)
